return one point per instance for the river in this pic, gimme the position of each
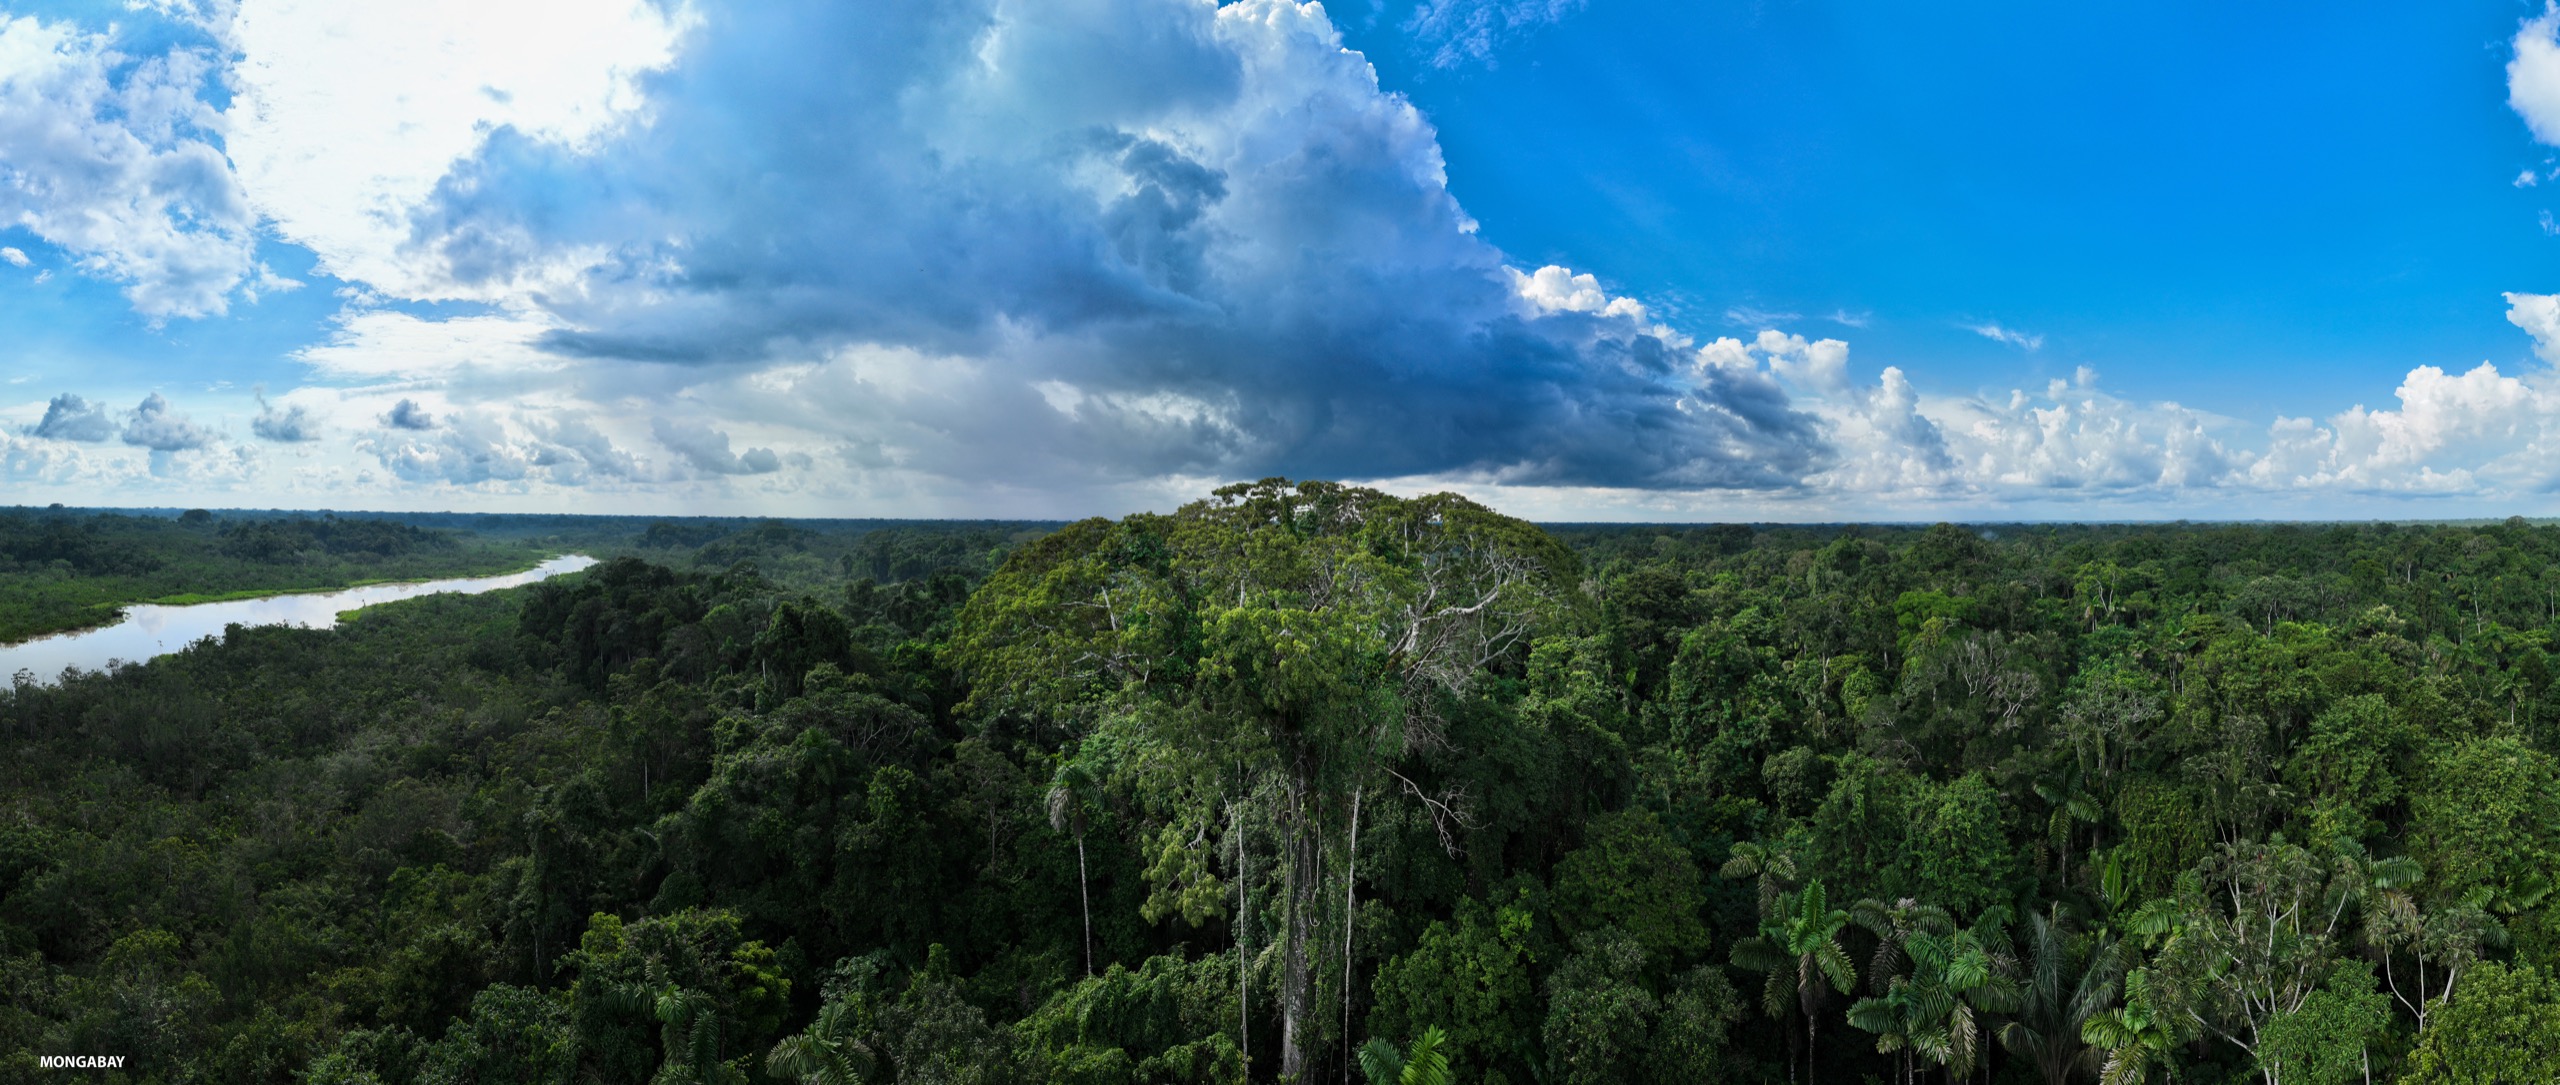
(149, 629)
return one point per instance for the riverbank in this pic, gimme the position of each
(148, 630)
(53, 600)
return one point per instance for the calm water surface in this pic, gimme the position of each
(151, 630)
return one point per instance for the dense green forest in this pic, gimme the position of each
(1307, 782)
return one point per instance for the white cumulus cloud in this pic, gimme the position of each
(348, 115)
(115, 159)
(2533, 75)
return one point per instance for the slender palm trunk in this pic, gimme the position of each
(1809, 1048)
(1244, 982)
(1350, 902)
(1085, 895)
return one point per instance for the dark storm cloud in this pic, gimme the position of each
(707, 449)
(293, 425)
(1202, 235)
(406, 414)
(71, 418)
(154, 426)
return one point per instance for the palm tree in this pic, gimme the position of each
(689, 1028)
(1426, 1064)
(1775, 870)
(830, 1052)
(2068, 983)
(1895, 1018)
(1800, 949)
(2135, 1036)
(690, 1032)
(1070, 810)
(1936, 1011)
(2072, 805)
(1893, 924)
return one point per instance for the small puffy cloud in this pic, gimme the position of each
(154, 426)
(472, 450)
(266, 281)
(2539, 316)
(1992, 330)
(1553, 289)
(1880, 441)
(291, 425)
(13, 256)
(407, 414)
(575, 449)
(71, 418)
(116, 160)
(2533, 75)
(707, 449)
(1819, 366)
(2527, 179)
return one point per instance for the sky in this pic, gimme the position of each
(1581, 259)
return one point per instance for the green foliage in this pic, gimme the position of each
(2066, 981)
(1938, 1009)
(1630, 875)
(2347, 769)
(1164, 1022)
(1957, 852)
(1470, 976)
(1611, 1018)
(2329, 1038)
(1425, 1064)
(512, 1034)
(1599, 1011)
(2137, 1036)
(2501, 1027)
(794, 801)
(2488, 816)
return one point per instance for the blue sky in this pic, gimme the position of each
(1585, 260)
(2306, 192)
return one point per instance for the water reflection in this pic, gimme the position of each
(150, 630)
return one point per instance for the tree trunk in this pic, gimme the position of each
(1791, 1055)
(1350, 902)
(1244, 981)
(1809, 1048)
(1085, 896)
(1300, 877)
